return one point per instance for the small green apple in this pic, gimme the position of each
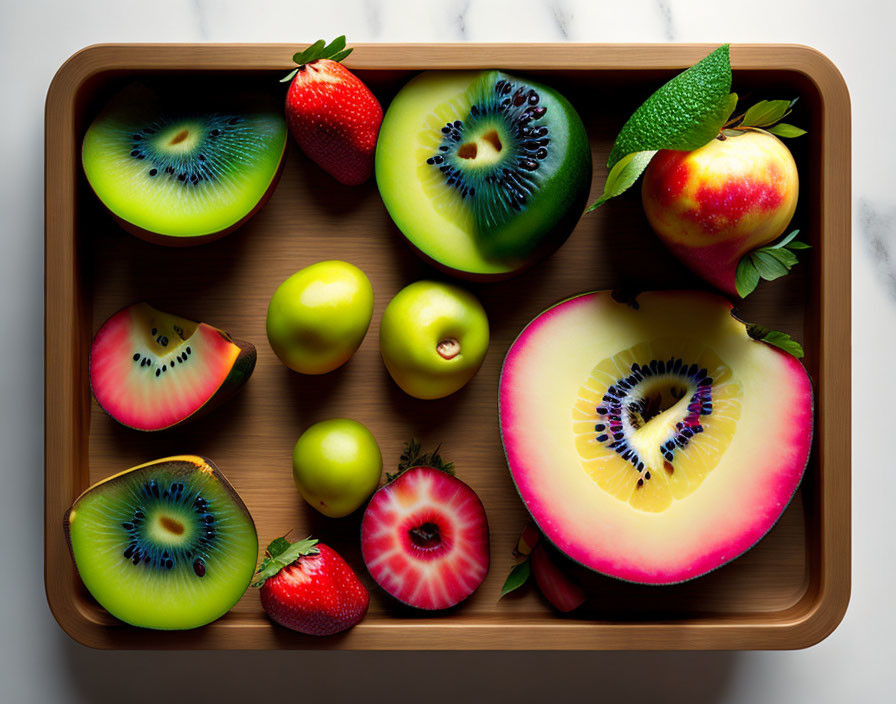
(318, 317)
(336, 465)
(433, 338)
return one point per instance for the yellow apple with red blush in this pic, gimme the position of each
(713, 205)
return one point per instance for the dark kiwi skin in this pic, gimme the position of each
(239, 374)
(171, 241)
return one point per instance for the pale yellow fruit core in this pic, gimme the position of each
(649, 418)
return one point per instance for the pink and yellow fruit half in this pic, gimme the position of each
(151, 370)
(712, 205)
(653, 440)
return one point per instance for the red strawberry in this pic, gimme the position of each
(308, 587)
(424, 536)
(332, 115)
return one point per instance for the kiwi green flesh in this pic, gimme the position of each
(470, 191)
(176, 163)
(167, 545)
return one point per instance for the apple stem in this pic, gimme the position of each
(448, 348)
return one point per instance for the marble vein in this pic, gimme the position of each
(876, 226)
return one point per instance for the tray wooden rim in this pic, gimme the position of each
(808, 622)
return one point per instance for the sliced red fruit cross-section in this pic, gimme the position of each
(424, 539)
(653, 439)
(150, 370)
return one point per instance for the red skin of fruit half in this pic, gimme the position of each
(400, 548)
(564, 594)
(335, 119)
(779, 462)
(318, 595)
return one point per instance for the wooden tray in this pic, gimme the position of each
(789, 592)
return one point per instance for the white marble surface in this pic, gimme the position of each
(40, 664)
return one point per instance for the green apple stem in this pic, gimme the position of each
(448, 348)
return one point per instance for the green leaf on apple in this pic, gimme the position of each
(623, 175)
(685, 114)
(518, 576)
(770, 262)
(766, 112)
(777, 339)
(782, 129)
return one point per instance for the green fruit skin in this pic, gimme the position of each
(415, 321)
(318, 317)
(336, 465)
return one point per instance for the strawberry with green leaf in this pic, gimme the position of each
(332, 114)
(308, 587)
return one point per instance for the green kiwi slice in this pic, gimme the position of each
(165, 545)
(181, 165)
(484, 173)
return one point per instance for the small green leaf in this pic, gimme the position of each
(784, 342)
(334, 47)
(782, 129)
(730, 106)
(768, 266)
(784, 242)
(289, 76)
(622, 176)
(765, 112)
(281, 553)
(770, 262)
(746, 278)
(278, 546)
(518, 576)
(785, 256)
(777, 339)
(685, 113)
(341, 55)
(311, 53)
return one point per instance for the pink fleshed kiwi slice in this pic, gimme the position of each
(424, 539)
(150, 370)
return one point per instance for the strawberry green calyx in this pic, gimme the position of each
(334, 51)
(412, 457)
(281, 553)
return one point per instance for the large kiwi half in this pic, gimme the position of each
(181, 165)
(483, 172)
(166, 545)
